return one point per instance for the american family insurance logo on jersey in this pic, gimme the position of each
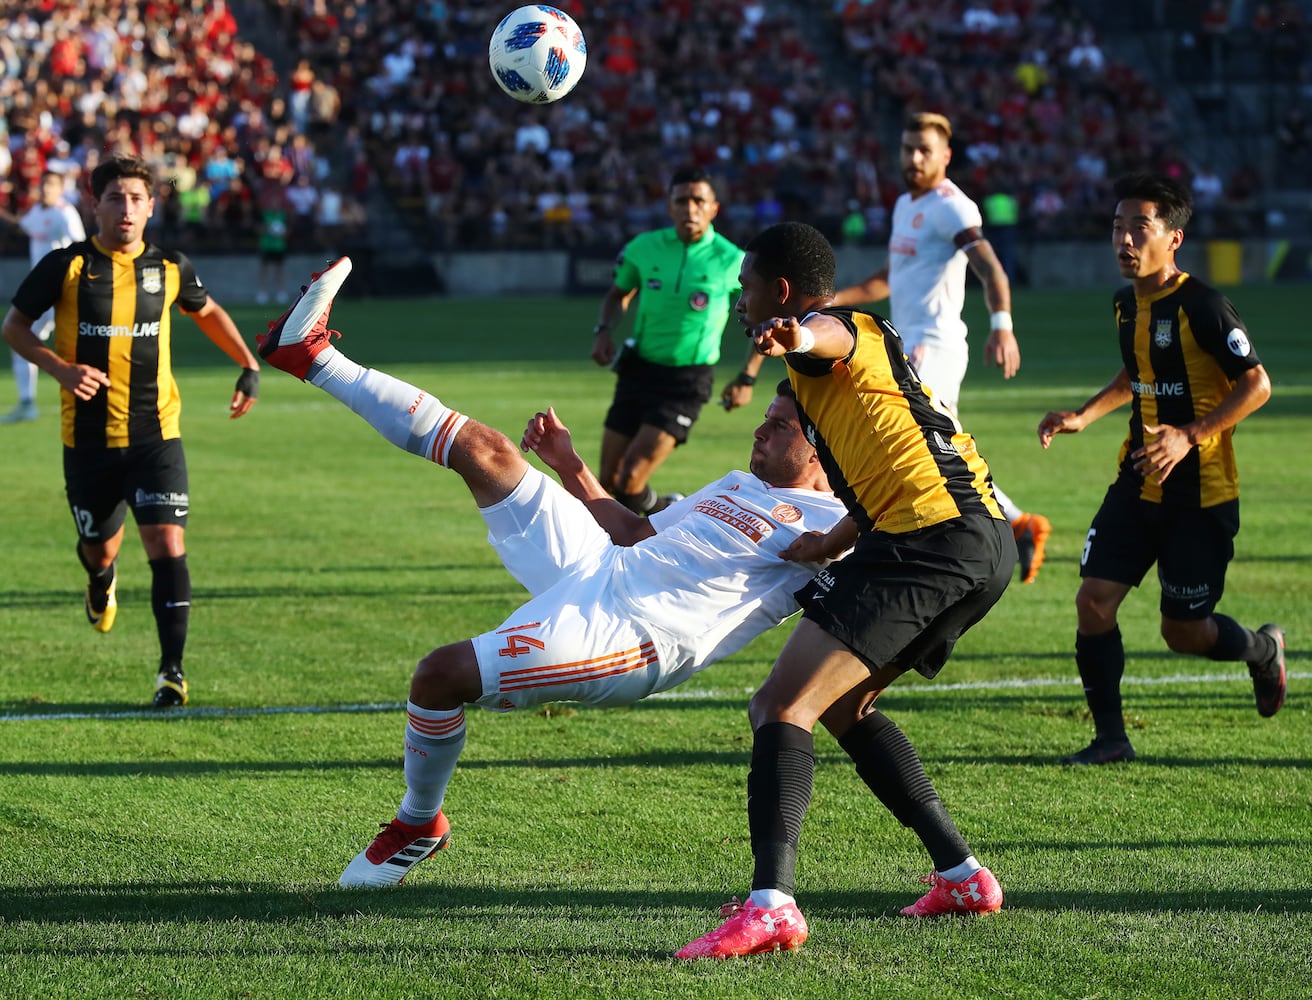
(722, 508)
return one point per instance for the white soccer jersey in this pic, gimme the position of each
(926, 269)
(51, 228)
(620, 623)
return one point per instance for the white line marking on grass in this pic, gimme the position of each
(929, 687)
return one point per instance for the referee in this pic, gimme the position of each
(685, 278)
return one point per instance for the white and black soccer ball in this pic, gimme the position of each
(537, 54)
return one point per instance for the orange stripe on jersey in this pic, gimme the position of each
(442, 439)
(580, 671)
(436, 728)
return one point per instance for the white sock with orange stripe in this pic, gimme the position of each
(407, 416)
(433, 741)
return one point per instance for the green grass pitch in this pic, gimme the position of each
(196, 854)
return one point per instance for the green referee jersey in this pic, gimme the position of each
(685, 293)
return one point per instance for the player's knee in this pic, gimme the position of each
(444, 679)
(1186, 637)
(1096, 612)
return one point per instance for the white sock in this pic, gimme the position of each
(962, 871)
(770, 899)
(1009, 510)
(407, 416)
(433, 741)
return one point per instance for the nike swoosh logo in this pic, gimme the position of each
(92, 277)
(177, 604)
(1196, 605)
(180, 511)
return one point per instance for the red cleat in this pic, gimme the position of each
(388, 860)
(297, 336)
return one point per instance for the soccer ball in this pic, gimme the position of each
(537, 54)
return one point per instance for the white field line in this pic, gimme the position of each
(677, 695)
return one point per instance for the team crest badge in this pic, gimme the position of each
(917, 220)
(699, 300)
(152, 280)
(786, 513)
(1162, 334)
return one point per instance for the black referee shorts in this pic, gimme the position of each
(669, 398)
(904, 600)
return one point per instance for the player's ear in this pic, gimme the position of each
(1177, 237)
(783, 289)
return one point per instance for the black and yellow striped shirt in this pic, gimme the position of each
(897, 458)
(112, 311)
(1183, 348)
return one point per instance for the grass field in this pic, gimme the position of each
(195, 854)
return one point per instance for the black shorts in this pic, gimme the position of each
(1192, 547)
(904, 600)
(102, 483)
(669, 398)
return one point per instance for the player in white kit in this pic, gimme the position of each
(937, 232)
(622, 606)
(51, 224)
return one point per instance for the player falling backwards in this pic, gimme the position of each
(622, 606)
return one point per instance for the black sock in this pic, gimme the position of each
(890, 766)
(1234, 642)
(778, 793)
(639, 503)
(1101, 661)
(170, 598)
(100, 579)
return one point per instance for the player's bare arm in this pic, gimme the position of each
(613, 307)
(873, 289)
(83, 381)
(1114, 394)
(819, 337)
(1165, 446)
(548, 438)
(218, 326)
(1001, 350)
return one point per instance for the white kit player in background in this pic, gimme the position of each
(622, 606)
(51, 224)
(938, 231)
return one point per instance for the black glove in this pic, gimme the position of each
(248, 383)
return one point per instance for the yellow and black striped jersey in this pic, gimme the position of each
(1183, 348)
(895, 456)
(112, 311)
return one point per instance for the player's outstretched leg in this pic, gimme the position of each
(297, 337)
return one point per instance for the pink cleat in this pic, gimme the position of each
(978, 894)
(750, 930)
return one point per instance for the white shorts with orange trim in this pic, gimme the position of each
(568, 644)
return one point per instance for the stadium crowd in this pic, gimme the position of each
(398, 94)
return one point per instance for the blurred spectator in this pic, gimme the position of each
(1208, 190)
(272, 243)
(303, 200)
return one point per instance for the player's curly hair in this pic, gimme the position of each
(1175, 205)
(798, 252)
